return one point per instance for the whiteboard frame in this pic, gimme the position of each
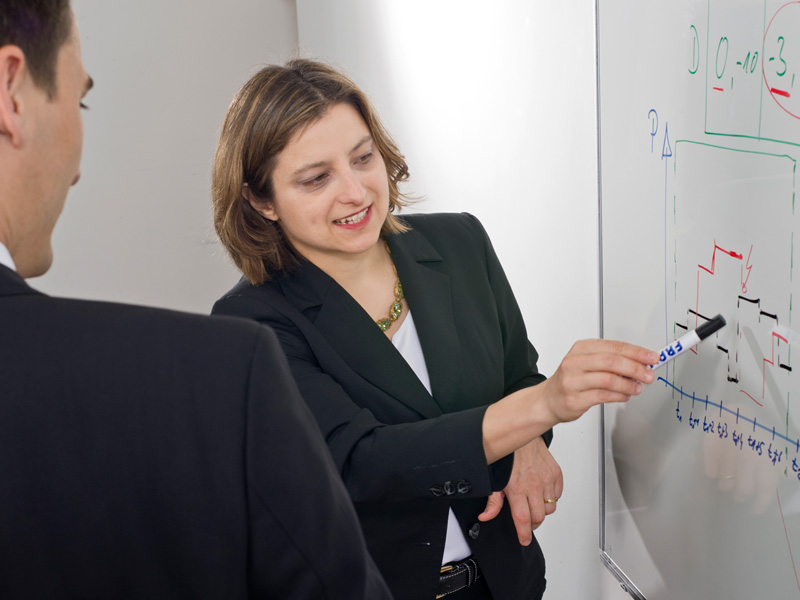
(624, 581)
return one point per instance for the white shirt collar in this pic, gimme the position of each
(5, 258)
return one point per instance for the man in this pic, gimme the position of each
(143, 453)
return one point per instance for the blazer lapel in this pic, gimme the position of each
(356, 338)
(430, 298)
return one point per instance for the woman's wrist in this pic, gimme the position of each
(516, 420)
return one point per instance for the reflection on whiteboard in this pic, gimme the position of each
(700, 136)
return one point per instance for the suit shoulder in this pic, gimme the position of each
(443, 221)
(250, 301)
(241, 287)
(449, 232)
(158, 325)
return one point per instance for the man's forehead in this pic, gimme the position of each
(72, 56)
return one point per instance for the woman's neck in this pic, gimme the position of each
(370, 278)
(357, 270)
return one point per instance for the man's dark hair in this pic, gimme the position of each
(39, 28)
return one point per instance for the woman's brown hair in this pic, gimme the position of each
(277, 103)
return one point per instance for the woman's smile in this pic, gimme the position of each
(357, 220)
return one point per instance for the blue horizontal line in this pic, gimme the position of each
(738, 416)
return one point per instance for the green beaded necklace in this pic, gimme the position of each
(396, 309)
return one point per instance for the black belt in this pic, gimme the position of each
(457, 576)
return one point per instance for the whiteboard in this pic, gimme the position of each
(699, 119)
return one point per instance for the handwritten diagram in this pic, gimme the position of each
(745, 272)
(699, 172)
(749, 276)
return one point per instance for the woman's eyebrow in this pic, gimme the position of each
(322, 163)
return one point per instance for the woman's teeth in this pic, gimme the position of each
(354, 219)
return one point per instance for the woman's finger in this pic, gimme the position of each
(493, 505)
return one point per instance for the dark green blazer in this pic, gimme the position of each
(405, 455)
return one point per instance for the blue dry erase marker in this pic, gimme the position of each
(690, 340)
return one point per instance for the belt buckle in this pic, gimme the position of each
(444, 569)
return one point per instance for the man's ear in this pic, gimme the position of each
(265, 209)
(13, 71)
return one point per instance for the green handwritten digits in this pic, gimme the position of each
(695, 50)
(723, 41)
(781, 42)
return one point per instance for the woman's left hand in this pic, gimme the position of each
(536, 477)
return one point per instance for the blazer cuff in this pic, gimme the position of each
(547, 436)
(500, 472)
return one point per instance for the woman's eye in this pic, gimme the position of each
(364, 158)
(84, 107)
(315, 180)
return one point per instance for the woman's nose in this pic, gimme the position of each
(351, 189)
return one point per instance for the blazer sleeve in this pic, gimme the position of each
(305, 540)
(378, 461)
(520, 356)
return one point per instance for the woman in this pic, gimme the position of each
(404, 338)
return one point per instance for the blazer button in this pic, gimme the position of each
(449, 488)
(464, 487)
(437, 490)
(475, 531)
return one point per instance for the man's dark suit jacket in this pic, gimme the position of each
(150, 454)
(406, 457)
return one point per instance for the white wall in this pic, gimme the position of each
(493, 104)
(137, 227)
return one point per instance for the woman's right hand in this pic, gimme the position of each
(593, 372)
(596, 372)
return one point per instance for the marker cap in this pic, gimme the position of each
(710, 326)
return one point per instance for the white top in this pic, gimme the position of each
(406, 340)
(5, 258)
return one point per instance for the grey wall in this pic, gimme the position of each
(493, 103)
(137, 227)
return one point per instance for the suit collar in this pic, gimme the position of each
(308, 286)
(429, 294)
(355, 337)
(11, 284)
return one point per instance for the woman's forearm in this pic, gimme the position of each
(593, 372)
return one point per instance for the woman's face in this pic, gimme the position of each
(331, 188)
